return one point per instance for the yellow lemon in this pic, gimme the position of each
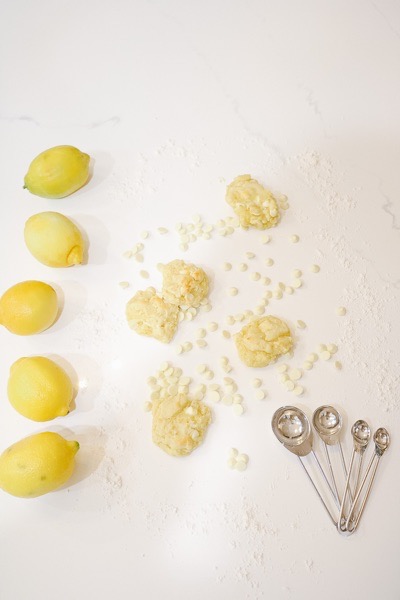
(28, 307)
(57, 172)
(39, 389)
(54, 240)
(37, 464)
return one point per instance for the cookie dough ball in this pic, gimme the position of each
(254, 205)
(149, 314)
(262, 341)
(184, 284)
(179, 424)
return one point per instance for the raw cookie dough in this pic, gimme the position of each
(149, 314)
(184, 284)
(254, 205)
(179, 424)
(262, 341)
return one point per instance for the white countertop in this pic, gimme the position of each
(173, 100)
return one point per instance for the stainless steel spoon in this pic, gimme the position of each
(328, 424)
(382, 443)
(292, 428)
(361, 433)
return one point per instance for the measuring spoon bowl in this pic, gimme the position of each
(327, 422)
(292, 428)
(361, 433)
(382, 440)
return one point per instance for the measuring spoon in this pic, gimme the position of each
(382, 443)
(361, 433)
(292, 428)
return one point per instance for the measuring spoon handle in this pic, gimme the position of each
(360, 512)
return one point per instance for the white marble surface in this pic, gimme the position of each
(172, 100)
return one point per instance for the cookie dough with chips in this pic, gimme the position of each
(184, 284)
(254, 205)
(179, 424)
(149, 314)
(262, 341)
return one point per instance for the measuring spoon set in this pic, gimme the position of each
(293, 429)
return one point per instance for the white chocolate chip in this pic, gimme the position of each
(307, 365)
(240, 465)
(332, 348)
(338, 364)
(242, 458)
(315, 268)
(255, 276)
(297, 283)
(256, 383)
(238, 409)
(325, 355)
(144, 235)
(250, 255)
(297, 273)
(212, 326)
(295, 374)
(201, 343)
(227, 266)
(243, 267)
(298, 390)
(147, 407)
(294, 238)
(289, 289)
(259, 395)
(269, 262)
(301, 324)
(265, 239)
(201, 333)
(341, 311)
(282, 368)
(289, 385)
(214, 396)
(124, 284)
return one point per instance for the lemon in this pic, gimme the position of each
(54, 240)
(28, 307)
(39, 389)
(37, 464)
(57, 172)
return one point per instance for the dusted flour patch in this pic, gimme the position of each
(184, 284)
(262, 341)
(254, 205)
(149, 314)
(179, 424)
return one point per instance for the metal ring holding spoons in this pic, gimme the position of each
(382, 443)
(292, 428)
(361, 433)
